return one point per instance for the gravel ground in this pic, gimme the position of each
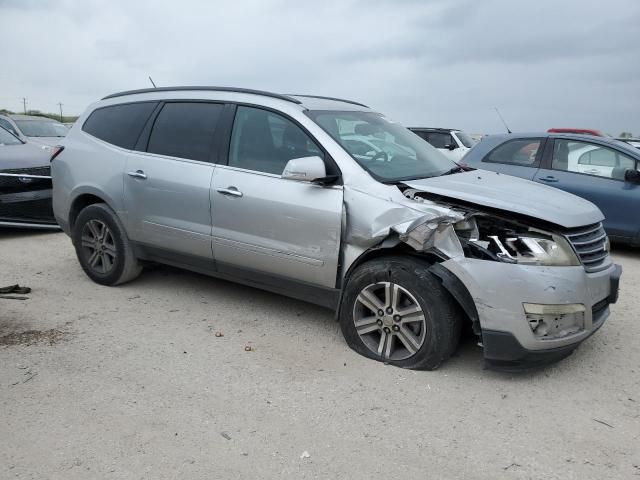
(132, 382)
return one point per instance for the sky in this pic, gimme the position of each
(436, 63)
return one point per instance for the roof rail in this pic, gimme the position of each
(331, 98)
(212, 89)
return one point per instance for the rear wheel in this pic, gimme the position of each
(102, 246)
(394, 310)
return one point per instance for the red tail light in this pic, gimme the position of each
(55, 152)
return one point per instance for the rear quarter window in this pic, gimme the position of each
(119, 125)
(522, 152)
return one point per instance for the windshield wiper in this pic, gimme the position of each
(456, 169)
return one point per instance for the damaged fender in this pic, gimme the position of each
(422, 225)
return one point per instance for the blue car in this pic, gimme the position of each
(602, 170)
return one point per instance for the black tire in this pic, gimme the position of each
(442, 316)
(117, 263)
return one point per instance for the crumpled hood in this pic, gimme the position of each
(513, 194)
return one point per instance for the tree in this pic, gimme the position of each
(625, 135)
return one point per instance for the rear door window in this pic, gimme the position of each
(185, 130)
(119, 124)
(522, 152)
(590, 159)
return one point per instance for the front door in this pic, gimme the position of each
(264, 223)
(166, 188)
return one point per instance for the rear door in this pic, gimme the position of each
(263, 223)
(520, 157)
(595, 172)
(166, 186)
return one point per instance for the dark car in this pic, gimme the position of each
(602, 170)
(25, 184)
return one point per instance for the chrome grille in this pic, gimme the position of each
(590, 243)
(35, 178)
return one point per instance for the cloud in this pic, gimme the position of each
(436, 62)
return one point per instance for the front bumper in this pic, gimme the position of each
(499, 291)
(27, 209)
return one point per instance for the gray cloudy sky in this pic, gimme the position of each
(544, 63)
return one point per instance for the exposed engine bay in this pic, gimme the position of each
(492, 236)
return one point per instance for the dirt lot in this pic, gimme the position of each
(132, 382)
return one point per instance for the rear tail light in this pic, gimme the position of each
(55, 152)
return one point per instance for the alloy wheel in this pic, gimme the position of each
(98, 246)
(389, 320)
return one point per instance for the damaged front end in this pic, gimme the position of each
(448, 230)
(501, 267)
(490, 236)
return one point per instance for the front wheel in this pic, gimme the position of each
(394, 310)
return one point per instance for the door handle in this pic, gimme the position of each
(233, 191)
(548, 179)
(137, 174)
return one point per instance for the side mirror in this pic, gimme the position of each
(632, 176)
(305, 169)
(451, 146)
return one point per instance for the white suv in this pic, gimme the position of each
(454, 144)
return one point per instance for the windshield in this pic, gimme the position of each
(41, 128)
(465, 139)
(7, 139)
(387, 150)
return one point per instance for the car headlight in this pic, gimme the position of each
(492, 238)
(527, 249)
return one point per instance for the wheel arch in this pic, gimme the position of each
(83, 198)
(449, 281)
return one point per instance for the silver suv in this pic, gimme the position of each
(271, 191)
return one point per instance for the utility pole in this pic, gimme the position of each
(24, 104)
(60, 105)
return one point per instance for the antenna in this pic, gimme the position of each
(498, 112)
(154, 85)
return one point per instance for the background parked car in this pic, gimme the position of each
(600, 169)
(453, 143)
(25, 184)
(40, 130)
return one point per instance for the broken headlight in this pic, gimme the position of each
(534, 250)
(512, 243)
